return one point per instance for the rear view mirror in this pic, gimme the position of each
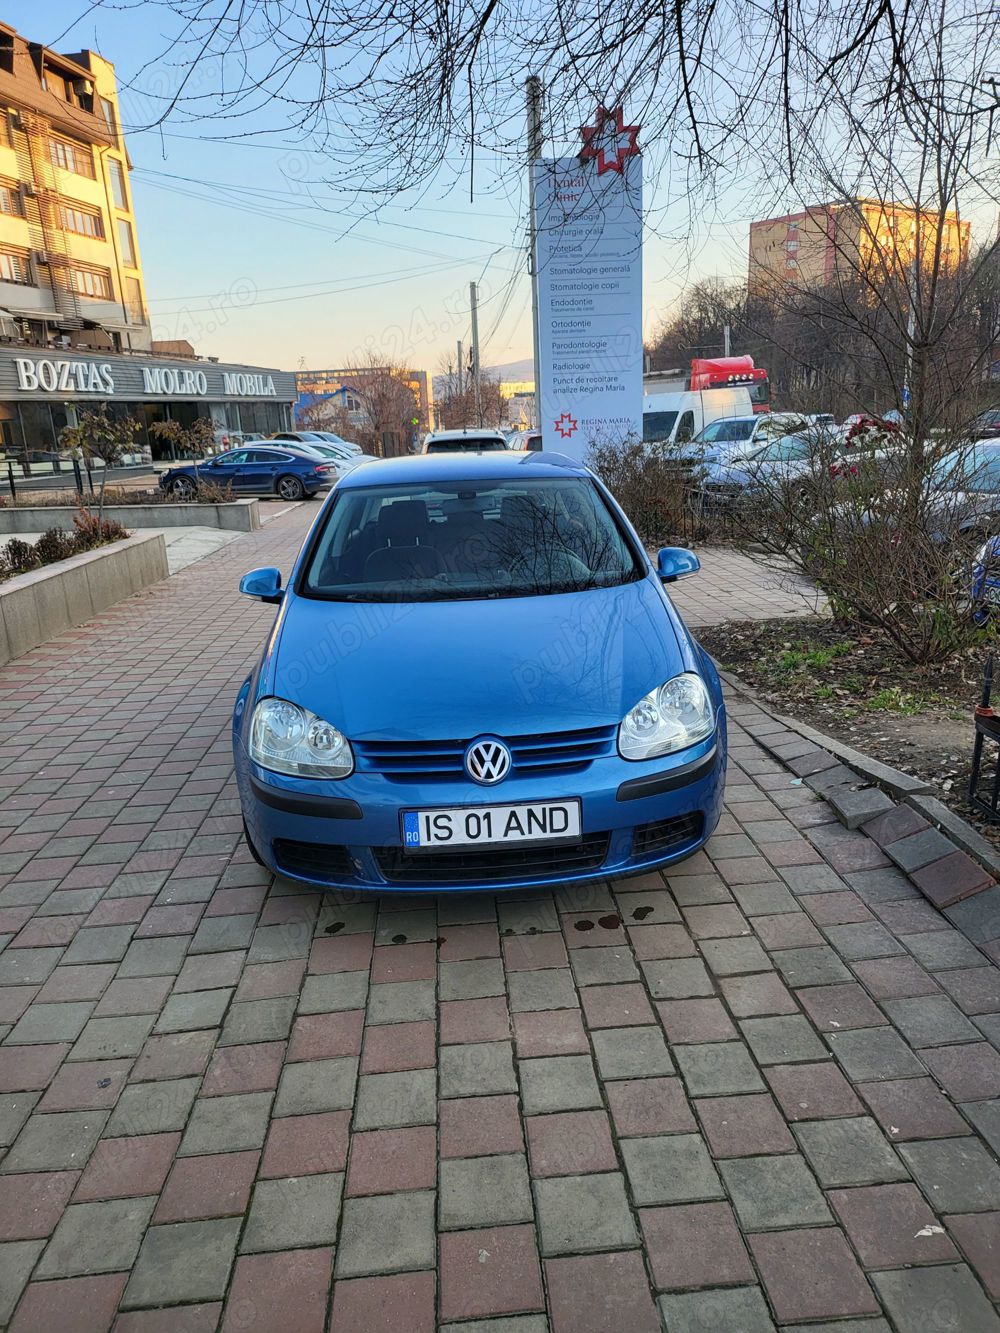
(264, 584)
(674, 562)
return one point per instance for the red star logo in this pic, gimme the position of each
(609, 141)
(565, 425)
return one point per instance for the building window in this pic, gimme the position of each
(10, 199)
(108, 112)
(54, 83)
(791, 246)
(118, 182)
(133, 293)
(72, 156)
(94, 282)
(14, 266)
(126, 242)
(84, 221)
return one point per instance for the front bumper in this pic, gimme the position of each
(346, 834)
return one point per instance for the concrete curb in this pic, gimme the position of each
(231, 516)
(36, 607)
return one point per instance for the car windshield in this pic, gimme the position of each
(515, 537)
(736, 428)
(471, 444)
(790, 449)
(968, 470)
(657, 426)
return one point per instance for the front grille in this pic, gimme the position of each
(316, 860)
(666, 835)
(496, 865)
(442, 761)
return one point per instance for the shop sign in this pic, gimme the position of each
(64, 376)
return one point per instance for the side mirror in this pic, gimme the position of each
(674, 562)
(264, 584)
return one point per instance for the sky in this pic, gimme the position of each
(249, 256)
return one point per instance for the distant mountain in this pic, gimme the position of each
(515, 370)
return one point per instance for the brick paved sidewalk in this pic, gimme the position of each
(765, 1091)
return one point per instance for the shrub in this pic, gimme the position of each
(93, 531)
(652, 486)
(54, 545)
(213, 493)
(20, 557)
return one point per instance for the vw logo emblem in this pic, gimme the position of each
(487, 761)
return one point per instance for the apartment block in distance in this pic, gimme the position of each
(810, 248)
(70, 274)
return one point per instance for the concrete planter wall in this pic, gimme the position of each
(234, 516)
(36, 607)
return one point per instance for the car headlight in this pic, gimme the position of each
(670, 718)
(288, 739)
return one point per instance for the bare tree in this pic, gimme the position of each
(390, 418)
(455, 399)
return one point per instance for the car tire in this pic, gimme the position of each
(253, 850)
(183, 488)
(289, 488)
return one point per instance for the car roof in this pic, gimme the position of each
(468, 432)
(493, 466)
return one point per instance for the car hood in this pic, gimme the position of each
(441, 670)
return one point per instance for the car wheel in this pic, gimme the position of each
(183, 487)
(290, 488)
(253, 850)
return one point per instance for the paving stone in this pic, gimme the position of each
(96, 1238)
(593, 1293)
(593, 967)
(480, 1126)
(874, 1053)
(14, 1111)
(763, 899)
(570, 1143)
(153, 1108)
(919, 849)
(101, 944)
(562, 1083)
(677, 978)
(770, 1192)
(386, 1233)
(548, 1032)
(695, 1021)
(258, 1297)
(391, 1047)
(112, 1038)
(787, 930)
(258, 1020)
(758, 995)
(782, 1039)
(162, 957)
(484, 1191)
(978, 1234)
(300, 1211)
(883, 885)
(896, 978)
(85, 1304)
(476, 1069)
(986, 1118)
(60, 1142)
(818, 966)
(203, 1187)
(127, 1168)
(891, 1225)
(631, 1053)
(727, 957)
(196, 1009)
(581, 1214)
(674, 1168)
(909, 1293)
(17, 1259)
(837, 909)
(957, 1175)
(490, 1272)
(302, 1145)
(334, 992)
(226, 1124)
(526, 916)
(849, 1152)
(912, 1108)
(975, 990)
(50, 1022)
(716, 1068)
(746, 1126)
(939, 950)
(387, 1161)
(967, 1073)
(721, 1308)
(175, 1055)
(832, 1008)
(183, 1261)
(694, 1245)
(395, 1301)
(28, 967)
(930, 1020)
(978, 916)
(31, 1204)
(551, 988)
(401, 1002)
(318, 1085)
(386, 1100)
(471, 980)
(811, 1274)
(856, 806)
(864, 940)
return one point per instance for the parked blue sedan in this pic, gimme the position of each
(476, 680)
(288, 473)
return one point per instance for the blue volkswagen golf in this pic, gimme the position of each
(475, 680)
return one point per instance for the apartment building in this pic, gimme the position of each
(70, 271)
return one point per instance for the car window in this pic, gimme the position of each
(972, 470)
(515, 537)
(657, 426)
(788, 450)
(469, 445)
(265, 455)
(234, 456)
(731, 428)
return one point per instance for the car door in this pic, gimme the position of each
(225, 469)
(261, 469)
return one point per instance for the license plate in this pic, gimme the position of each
(991, 594)
(465, 826)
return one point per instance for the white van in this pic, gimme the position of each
(675, 418)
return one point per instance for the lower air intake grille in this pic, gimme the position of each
(317, 860)
(667, 834)
(496, 865)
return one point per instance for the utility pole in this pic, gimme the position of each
(725, 340)
(911, 333)
(474, 304)
(536, 140)
(459, 363)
